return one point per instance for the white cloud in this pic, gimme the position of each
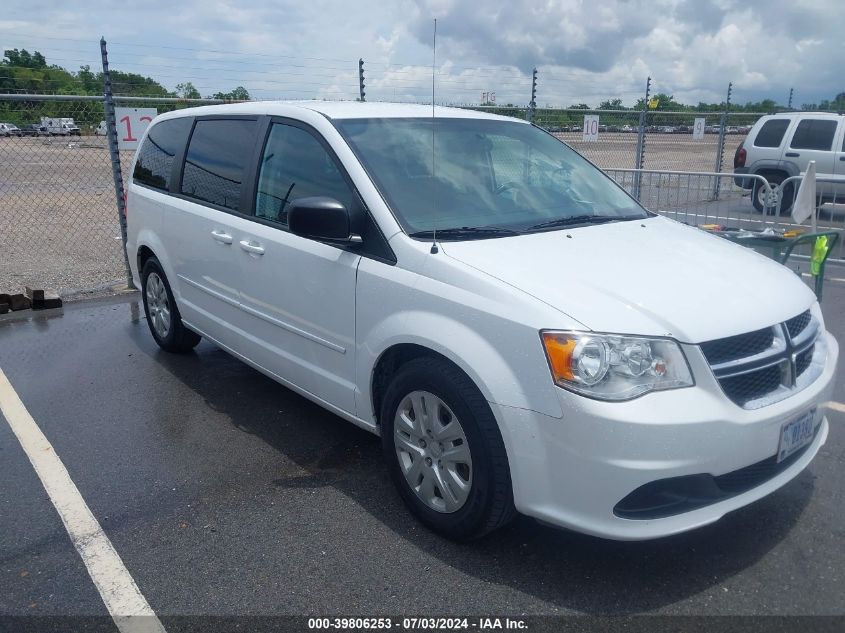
(585, 51)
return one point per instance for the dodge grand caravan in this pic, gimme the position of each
(520, 332)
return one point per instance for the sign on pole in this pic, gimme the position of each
(698, 128)
(591, 127)
(131, 124)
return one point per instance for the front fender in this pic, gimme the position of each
(488, 329)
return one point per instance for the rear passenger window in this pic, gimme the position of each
(155, 157)
(218, 154)
(295, 165)
(814, 134)
(771, 134)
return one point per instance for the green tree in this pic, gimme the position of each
(611, 104)
(238, 94)
(23, 59)
(187, 90)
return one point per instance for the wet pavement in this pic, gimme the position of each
(225, 493)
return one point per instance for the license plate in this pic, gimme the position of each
(796, 434)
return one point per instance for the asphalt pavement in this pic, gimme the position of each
(227, 494)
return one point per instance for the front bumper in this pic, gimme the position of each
(573, 471)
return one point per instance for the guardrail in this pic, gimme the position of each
(827, 215)
(688, 197)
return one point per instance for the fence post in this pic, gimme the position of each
(720, 149)
(532, 105)
(111, 126)
(361, 79)
(640, 157)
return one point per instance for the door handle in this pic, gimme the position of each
(252, 247)
(221, 236)
(793, 154)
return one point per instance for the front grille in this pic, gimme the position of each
(753, 385)
(740, 346)
(802, 360)
(761, 367)
(798, 324)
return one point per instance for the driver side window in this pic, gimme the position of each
(295, 165)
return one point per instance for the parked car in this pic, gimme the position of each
(666, 129)
(488, 303)
(782, 145)
(9, 129)
(33, 129)
(101, 129)
(63, 126)
(712, 129)
(628, 128)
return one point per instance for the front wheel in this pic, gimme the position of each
(444, 450)
(162, 314)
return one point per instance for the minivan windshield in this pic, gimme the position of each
(485, 178)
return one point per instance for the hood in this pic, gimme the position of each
(651, 277)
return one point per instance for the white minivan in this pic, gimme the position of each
(520, 332)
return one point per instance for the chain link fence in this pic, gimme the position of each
(59, 223)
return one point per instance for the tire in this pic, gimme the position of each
(482, 480)
(162, 314)
(787, 196)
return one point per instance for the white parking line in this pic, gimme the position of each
(835, 406)
(119, 592)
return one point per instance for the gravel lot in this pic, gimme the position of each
(58, 220)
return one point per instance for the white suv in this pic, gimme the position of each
(520, 332)
(782, 145)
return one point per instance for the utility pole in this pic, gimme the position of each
(361, 79)
(532, 106)
(789, 105)
(117, 175)
(720, 150)
(640, 158)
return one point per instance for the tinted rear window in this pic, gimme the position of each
(771, 134)
(814, 134)
(217, 157)
(155, 157)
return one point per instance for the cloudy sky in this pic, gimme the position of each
(584, 50)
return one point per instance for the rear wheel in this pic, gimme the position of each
(758, 196)
(444, 450)
(162, 314)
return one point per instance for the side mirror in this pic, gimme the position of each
(321, 218)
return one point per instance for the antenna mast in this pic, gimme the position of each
(434, 248)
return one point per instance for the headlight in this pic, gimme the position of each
(612, 367)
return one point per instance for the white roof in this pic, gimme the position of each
(803, 113)
(341, 110)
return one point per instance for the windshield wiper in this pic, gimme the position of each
(465, 232)
(581, 219)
